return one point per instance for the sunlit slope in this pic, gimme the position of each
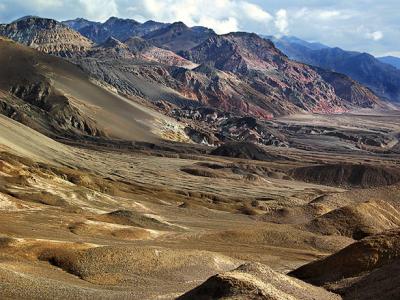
(25, 72)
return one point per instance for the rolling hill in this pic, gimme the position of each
(64, 99)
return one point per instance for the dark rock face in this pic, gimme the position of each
(26, 95)
(39, 107)
(46, 35)
(178, 36)
(244, 150)
(348, 175)
(380, 77)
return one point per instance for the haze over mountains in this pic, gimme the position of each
(379, 74)
(161, 161)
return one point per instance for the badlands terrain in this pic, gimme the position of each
(147, 164)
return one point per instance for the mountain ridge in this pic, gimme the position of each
(238, 72)
(382, 78)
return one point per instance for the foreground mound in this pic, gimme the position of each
(244, 150)
(358, 220)
(256, 281)
(114, 265)
(363, 256)
(376, 285)
(348, 175)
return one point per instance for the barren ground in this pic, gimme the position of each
(114, 222)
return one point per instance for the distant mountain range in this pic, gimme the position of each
(176, 36)
(379, 74)
(391, 60)
(194, 73)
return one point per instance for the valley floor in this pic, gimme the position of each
(113, 222)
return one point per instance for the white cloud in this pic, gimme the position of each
(2, 7)
(221, 15)
(375, 36)
(281, 21)
(322, 14)
(46, 4)
(220, 26)
(99, 9)
(255, 12)
(329, 14)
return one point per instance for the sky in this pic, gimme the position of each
(361, 25)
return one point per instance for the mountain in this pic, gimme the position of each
(351, 90)
(79, 23)
(178, 36)
(121, 29)
(46, 35)
(391, 60)
(113, 27)
(110, 48)
(292, 40)
(381, 78)
(56, 98)
(146, 51)
(239, 72)
(285, 85)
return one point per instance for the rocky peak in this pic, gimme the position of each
(78, 23)
(112, 42)
(111, 48)
(237, 52)
(137, 44)
(46, 35)
(178, 36)
(170, 30)
(178, 26)
(121, 29)
(114, 21)
(32, 23)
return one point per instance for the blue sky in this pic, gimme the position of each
(363, 25)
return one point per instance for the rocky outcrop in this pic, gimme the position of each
(46, 35)
(244, 150)
(348, 175)
(28, 96)
(40, 107)
(256, 281)
(178, 36)
(355, 260)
